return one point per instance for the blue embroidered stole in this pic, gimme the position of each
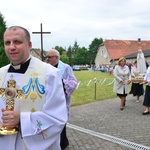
(33, 82)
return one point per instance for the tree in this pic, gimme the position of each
(60, 49)
(3, 58)
(64, 59)
(62, 52)
(75, 47)
(71, 52)
(81, 56)
(93, 48)
(70, 56)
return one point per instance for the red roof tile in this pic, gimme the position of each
(119, 48)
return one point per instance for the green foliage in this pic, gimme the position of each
(86, 94)
(76, 55)
(2, 29)
(64, 59)
(81, 56)
(71, 53)
(70, 56)
(93, 48)
(3, 58)
(75, 47)
(60, 49)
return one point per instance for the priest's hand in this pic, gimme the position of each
(10, 118)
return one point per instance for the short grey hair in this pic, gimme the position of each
(56, 52)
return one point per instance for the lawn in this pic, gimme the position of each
(89, 91)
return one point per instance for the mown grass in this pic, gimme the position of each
(86, 93)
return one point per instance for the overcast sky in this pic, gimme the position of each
(79, 20)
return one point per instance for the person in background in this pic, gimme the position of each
(110, 70)
(147, 65)
(136, 88)
(146, 101)
(69, 82)
(129, 65)
(122, 80)
(33, 101)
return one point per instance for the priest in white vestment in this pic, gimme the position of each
(40, 114)
(69, 81)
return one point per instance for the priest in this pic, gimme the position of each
(32, 100)
(70, 83)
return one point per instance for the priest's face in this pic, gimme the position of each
(52, 58)
(17, 46)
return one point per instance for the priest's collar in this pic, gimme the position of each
(20, 68)
(56, 65)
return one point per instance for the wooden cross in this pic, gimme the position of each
(41, 32)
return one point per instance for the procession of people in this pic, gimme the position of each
(138, 74)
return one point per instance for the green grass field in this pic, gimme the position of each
(85, 93)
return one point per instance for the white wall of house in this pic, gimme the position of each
(148, 60)
(102, 57)
(33, 53)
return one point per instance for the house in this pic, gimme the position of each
(111, 50)
(37, 53)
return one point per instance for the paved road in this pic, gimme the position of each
(99, 125)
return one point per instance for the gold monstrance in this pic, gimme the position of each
(10, 93)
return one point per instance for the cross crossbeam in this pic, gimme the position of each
(41, 32)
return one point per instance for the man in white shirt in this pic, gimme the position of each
(69, 82)
(38, 111)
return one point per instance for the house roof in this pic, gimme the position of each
(119, 48)
(134, 55)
